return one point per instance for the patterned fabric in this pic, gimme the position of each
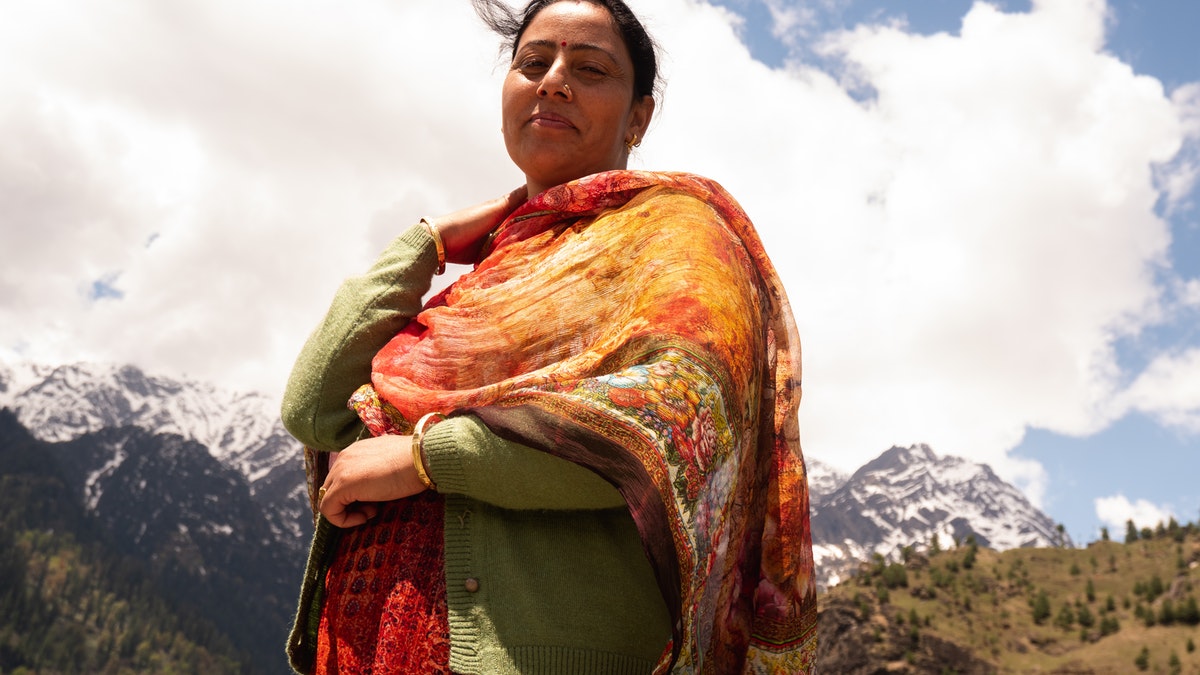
(385, 595)
(632, 323)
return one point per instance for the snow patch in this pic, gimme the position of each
(92, 489)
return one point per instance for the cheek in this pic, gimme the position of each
(615, 122)
(516, 105)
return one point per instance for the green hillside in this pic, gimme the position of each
(69, 601)
(1108, 608)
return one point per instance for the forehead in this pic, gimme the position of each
(577, 22)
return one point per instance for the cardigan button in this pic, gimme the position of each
(471, 584)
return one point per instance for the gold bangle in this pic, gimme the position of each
(418, 452)
(437, 243)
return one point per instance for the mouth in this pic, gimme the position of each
(549, 120)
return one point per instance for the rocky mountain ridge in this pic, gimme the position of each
(240, 430)
(905, 497)
(124, 547)
(902, 498)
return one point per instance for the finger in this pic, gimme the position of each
(348, 519)
(331, 506)
(517, 197)
(368, 509)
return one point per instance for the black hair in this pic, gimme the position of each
(642, 51)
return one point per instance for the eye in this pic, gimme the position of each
(592, 71)
(531, 64)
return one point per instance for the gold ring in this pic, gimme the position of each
(321, 495)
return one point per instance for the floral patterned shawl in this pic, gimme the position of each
(631, 322)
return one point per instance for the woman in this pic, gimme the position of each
(582, 456)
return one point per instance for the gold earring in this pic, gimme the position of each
(631, 143)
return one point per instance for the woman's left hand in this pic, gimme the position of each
(465, 230)
(369, 471)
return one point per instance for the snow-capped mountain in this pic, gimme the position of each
(823, 479)
(906, 496)
(66, 402)
(178, 528)
(902, 498)
(241, 430)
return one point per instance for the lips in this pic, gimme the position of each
(550, 120)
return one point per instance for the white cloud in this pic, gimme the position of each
(1189, 293)
(1029, 476)
(1169, 391)
(962, 248)
(1179, 177)
(791, 22)
(262, 160)
(1114, 511)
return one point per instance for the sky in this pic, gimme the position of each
(985, 215)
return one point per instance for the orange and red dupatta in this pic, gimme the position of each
(631, 322)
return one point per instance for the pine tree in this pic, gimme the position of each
(1065, 618)
(1131, 533)
(1174, 530)
(1166, 613)
(1084, 616)
(972, 550)
(1190, 613)
(1041, 607)
(1143, 659)
(1109, 625)
(1155, 588)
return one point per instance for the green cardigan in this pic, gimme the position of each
(559, 580)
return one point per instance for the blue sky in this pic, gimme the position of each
(1136, 456)
(987, 228)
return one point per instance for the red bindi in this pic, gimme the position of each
(564, 43)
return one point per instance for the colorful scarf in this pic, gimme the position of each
(632, 323)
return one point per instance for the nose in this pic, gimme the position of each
(554, 82)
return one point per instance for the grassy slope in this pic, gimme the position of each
(988, 608)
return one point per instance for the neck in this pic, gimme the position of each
(534, 187)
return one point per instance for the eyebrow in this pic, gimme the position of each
(573, 46)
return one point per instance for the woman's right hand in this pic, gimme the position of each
(464, 231)
(370, 471)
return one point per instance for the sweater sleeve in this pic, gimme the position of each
(463, 455)
(367, 311)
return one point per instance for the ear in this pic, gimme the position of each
(639, 116)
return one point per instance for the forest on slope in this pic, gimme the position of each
(71, 601)
(1111, 607)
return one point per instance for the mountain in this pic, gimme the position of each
(1105, 609)
(823, 478)
(240, 430)
(200, 485)
(117, 582)
(205, 486)
(905, 497)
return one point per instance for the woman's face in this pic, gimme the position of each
(568, 101)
